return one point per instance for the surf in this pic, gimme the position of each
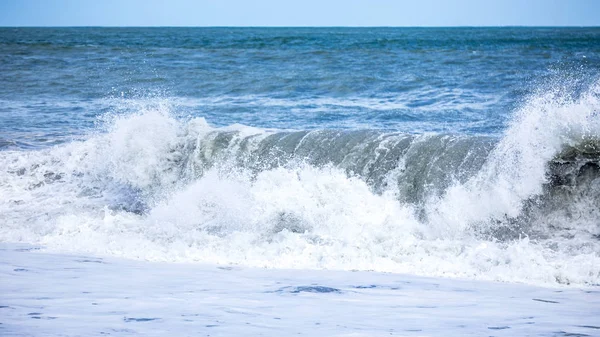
(522, 207)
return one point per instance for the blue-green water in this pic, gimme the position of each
(56, 81)
(464, 152)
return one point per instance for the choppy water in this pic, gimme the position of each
(463, 152)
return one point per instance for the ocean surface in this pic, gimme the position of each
(433, 154)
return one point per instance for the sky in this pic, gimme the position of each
(299, 13)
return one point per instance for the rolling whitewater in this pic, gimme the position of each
(444, 153)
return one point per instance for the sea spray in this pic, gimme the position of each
(160, 188)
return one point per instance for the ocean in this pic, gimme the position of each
(319, 181)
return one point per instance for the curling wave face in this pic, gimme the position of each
(522, 208)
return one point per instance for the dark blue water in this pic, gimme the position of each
(56, 82)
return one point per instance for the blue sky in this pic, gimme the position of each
(299, 13)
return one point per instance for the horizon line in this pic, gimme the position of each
(283, 26)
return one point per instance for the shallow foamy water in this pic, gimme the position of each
(77, 295)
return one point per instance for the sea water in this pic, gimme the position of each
(435, 181)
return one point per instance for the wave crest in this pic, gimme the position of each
(521, 208)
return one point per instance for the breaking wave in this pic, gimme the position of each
(521, 208)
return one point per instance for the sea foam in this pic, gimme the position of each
(161, 188)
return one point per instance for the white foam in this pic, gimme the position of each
(288, 217)
(53, 294)
(516, 169)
